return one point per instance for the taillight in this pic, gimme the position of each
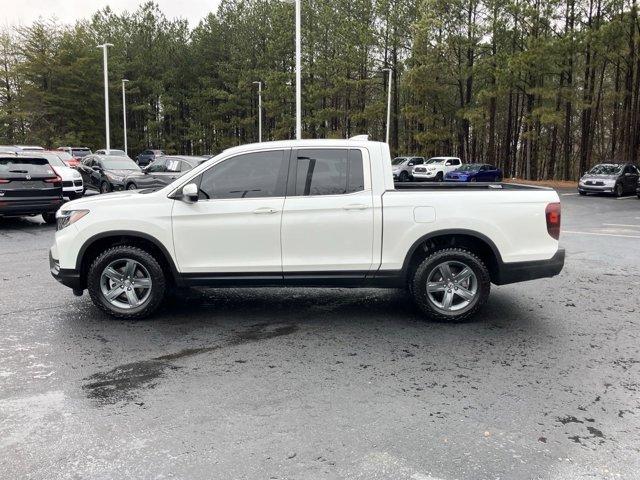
(53, 180)
(553, 214)
(4, 180)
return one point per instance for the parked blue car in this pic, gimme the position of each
(475, 172)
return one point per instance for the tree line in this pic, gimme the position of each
(543, 89)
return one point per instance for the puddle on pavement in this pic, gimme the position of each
(122, 382)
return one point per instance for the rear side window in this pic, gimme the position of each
(329, 172)
(251, 175)
(25, 166)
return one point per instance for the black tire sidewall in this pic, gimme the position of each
(147, 260)
(419, 281)
(404, 176)
(105, 190)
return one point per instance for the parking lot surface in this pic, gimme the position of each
(329, 384)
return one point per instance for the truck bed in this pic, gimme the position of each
(465, 186)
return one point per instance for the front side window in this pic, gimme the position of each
(250, 175)
(329, 172)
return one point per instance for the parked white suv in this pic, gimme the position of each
(436, 168)
(307, 213)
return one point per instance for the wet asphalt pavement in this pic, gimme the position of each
(329, 384)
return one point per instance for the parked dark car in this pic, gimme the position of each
(106, 173)
(29, 186)
(475, 172)
(148, 156)
(616, 178)
(162, 172)
(77, 154)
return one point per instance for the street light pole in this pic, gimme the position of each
(389, 103)
(105, 69)
(124, 114)
(298, 4)
(259, 110)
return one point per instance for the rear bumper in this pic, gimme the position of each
(69, 278)
(17, 207)
(524, 271)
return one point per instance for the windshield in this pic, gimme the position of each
(399, 160)
(606, 170)
(119, 163)
(472, 167)
(64, 156)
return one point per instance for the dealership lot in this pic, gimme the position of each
(329, 383)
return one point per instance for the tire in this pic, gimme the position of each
(49, 218)
(146, 268)
(619, 190)
(432, 304)
(439, 177)
(474, 179)
(404, 176)
(105, 187)
(132, 186)
(582, 193)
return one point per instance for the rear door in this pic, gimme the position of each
(327, 224)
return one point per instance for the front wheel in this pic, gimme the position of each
(619, 191)
(126, 282)
(582, 192)
(132, 186)
(439, 177)
(105, 187)
(404, 177)
(451, 285)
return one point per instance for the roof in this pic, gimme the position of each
(301, 144)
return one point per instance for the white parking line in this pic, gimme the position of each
(624, 198)
(620, 225)
(567, 194)
(600, 234)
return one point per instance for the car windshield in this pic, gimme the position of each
(399, 160)
(65, 156)
(606, 170)
(472, 167)
(119, 163)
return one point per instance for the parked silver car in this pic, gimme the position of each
(402, 168)
(616, 178)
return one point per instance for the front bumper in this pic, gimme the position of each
(67, 277)
(424, 175)
(524, 271)
(596, 188)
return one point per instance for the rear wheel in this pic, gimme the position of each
(126, 282)
(451, 285)
(49, 218)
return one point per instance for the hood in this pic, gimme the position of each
(105, 198)
(121, 173)
(66, 173)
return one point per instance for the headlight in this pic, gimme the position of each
(76, 174)
(64, 218)
(116, 178)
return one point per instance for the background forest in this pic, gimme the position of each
(544, 89)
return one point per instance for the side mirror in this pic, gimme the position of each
(410, 164)
(448, 164)
(190, 193)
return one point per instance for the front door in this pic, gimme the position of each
(327, 224)
(234, 227)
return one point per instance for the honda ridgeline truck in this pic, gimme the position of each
(308, 213)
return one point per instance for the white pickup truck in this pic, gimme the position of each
(321, 213)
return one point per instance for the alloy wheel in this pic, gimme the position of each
(125, 283)
(452, 286)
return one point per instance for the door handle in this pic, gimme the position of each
(356, 207)
(265, 211)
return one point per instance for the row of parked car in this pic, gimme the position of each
(443, 169)
(36, 181)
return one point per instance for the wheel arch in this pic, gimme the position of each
(100, 242)
(476, 242)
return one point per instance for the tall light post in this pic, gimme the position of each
(389, 103)
(259, 110)
(105, 69)
(124, 114)
(298, 67)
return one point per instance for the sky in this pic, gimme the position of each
(23, 12)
